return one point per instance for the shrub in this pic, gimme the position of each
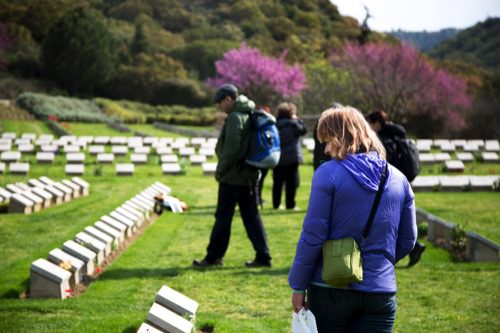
(116, 110)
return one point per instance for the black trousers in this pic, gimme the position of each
(246, 198)
(288, 175)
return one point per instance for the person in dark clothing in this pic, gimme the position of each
(319, 155)
(387, 132)
(287, 172)
(263, 172)
(237, 182)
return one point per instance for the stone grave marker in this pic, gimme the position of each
(425, 183)
(171, 168)
(10, 156)
(47, 197)
(13, 188)
(68, 192)
(75, 158)
(142, 150)
(459, 144)
(482, 183)
(9, 135)
(37, 201)
(58, 194)
(119, 150)
(424, 145)
(137, 213)
(198, 141)
(208, 152)
(49, 148)
(117, 235)
(438, 229)
(471, 147)
(26, 148)
(465, 157)
(5, 147)
(47, 137)
(81, 252)
(101, 236)
(118, 140)
(489, 157)
(162, 187)
(453, 183)
(95, 149)
(139, 158)
(169, 159)
(134, 217)
(186, 151)
(19, 168)
(46, 180)
(209, 168)
(197, 159)
(45, 157)
(71, 149)
(58, 256)
(164, 151)
(29, 136)
(48, 280)
(168, 320)
(454, 166)
(99, 248)
(135, 141)
(124, 169)
(139, 200)
(124, 220)
(33, 182)
(18, 203)
(124, 228)
(84, 186)
(74, 187)
(441, 157)
(480, 248)
(21, 141)
(492, 146)
(101, 140)
(147, 328)
(176, 302)
(5, 195)
(105, 158)
(23, 186)
(149, 140)
(129, 204)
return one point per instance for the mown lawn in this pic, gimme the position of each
(21, 126)
(438, 294)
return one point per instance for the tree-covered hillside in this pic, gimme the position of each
(424, 40)
(478, 45)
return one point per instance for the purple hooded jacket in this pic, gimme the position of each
(341, 198)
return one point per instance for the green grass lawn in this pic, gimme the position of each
(19, 126)
(96, 129)
(153, 131)
(438, 294)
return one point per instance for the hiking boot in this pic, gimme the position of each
(208, 263)
(415, 254)
(256, 263)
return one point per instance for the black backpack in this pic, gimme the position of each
(403, 154)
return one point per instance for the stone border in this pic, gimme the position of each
(478, 248)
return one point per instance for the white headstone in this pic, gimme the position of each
(454, 166)
(85, 187)
(10, 156)
(124, 220)
(47, 197)
(425, 183)
(99, 235)
(453, 183)
(71, 149)
(58, 194)
(441, 157)
(176, 302)
(171, 168)
(208, 152)
(197, 159)
(82, 253)
(101, 140)
(117, 235)
(26, 148)
(95, 149)
(142, 150)
(99, 248)
(74, 187)
(37, 201)
(68, 192)
(118, 140)
(169, 159)
(48, 280)
(492, 145)
(168, 320)
(58, 256)
(164, 151)
(13, 188)
(139, 158)
(209, 168)
(490, 157)
(49, 148)
(123, 228)
(20, 204)
(124, 169)
(119, 150)
(45, 157)
(75, 158)
(105, 158)
(19, 168)
(465, 157)
(186, 151)
(46, 180)
(5, 194)
(483, 183)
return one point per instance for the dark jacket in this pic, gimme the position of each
(388, 135)
(232, 146)
(290, 132)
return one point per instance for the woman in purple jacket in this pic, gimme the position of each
(342, 195)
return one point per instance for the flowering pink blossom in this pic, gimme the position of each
(262, 78)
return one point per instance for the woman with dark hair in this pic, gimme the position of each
(342, 194)
(287, 172)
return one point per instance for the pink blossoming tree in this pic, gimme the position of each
(264, 79)
(401, 81)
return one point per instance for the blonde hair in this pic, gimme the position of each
(286, 110)
(348, 132)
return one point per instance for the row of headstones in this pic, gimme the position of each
(128, 169)
(445, 146)
(454, 183)
(171, 312)
(431, 158)
(478, 248)
(41, 193)
(66, 267)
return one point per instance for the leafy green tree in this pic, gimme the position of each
(140, 43)
(79, 53)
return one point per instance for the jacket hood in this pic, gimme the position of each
(243, 104)
(366, 168)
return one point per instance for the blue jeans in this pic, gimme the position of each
(343, 310)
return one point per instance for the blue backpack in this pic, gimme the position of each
(264, 148)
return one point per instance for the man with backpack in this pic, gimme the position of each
(237, 182)
(401, 153)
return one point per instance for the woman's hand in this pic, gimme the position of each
(298, 301)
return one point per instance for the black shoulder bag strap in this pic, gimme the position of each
(375, 204)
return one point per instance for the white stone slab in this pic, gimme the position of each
(71, 149)
(81, 252)
(36, 183)
(197, 159)
(187, 151)
(75, 158)
(47, 197)
(124, 220)
(19, 168)
(441, 157)
(5, 195)
(149, 140)
(168, 320)
(146, 328)
(96, 149)
(101, 140)
(135, 141)
(454, 166)
(48, 137)
(58, 256)
(132, 205)
(124, 169)
(5, 147)
(68, 192)
(49, 148)
(74, 187)
(21, 142)
(137, 219)
(23, 186)
(425, 183)
(447, 147)
(167, 140)
(99, 248)
(148, 204)
(171, 168)
(118, 140)
(490, 157)
(38, 202)
(161, 187)
(45, 157)
(117, 235)
(178, 145)
(48, 280)
(176, 302)
(482, 183)
(209, 168)
(9, 135)
(453, 183)
(142, 150)
(124, 228)
(139, 158)
(10, 156)
(84, 186)
(18, 203)
(26, 148)
(101, 236)
(59, 196)
(29, 136)
(169, 159)
(137, 213)
(13, 188)
(119, 150)
(465, 157)
(471, 147)
(105, 158)
(46, 180)
(164, 151)
(198, 141)
(492, 145)
(208, 152)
